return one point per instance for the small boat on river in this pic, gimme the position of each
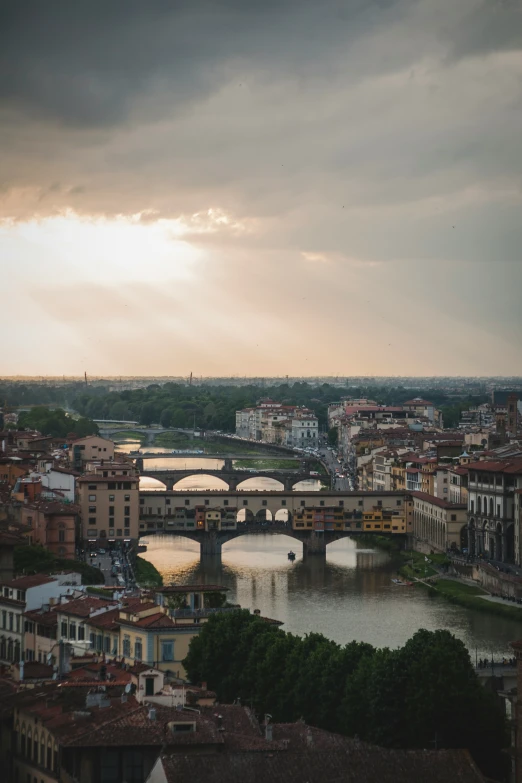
(401, 583)
(291, 556)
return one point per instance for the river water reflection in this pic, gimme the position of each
(347, 596)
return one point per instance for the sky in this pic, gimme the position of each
(261, 187)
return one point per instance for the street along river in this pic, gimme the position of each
(348, 596)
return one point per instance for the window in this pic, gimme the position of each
(118, 532)
(61, 536)
(126, 510)
(187, 502)
(92, 520)
(111, 498)
(283, 502)
(64, 630)
(264, 502)
(127, 646)
(92, 486)
(207, 502)
(92, 509)
(92, 532)
(303, 502)
(399, 502)
(107, 644)
(138, 650)
(81, 633)
(111, 531)
(111, 511)
(126, 532)
(92, 498)
(92, 640)
(245, 502)
(72, 630)
(225, 502)
(453, 517)
(126, 498)
(167, 651)
(360, 502)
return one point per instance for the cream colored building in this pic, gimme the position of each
(109, 503)
(89, 448)
(437, 524)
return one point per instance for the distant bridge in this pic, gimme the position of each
(232, 478)
(208, 455)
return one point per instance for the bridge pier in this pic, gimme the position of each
(210, 545)
(314, 544)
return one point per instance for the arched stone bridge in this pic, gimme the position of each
(232, 477)
(211, 542)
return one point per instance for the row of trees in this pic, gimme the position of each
(214, 407)
(56, 423)
(422, 695)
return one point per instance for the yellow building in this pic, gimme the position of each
(159, 634)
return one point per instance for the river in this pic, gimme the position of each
(349, 595)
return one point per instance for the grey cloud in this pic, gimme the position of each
(88, 62)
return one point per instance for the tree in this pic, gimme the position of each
(423, 693)
(147, 413)
(166, 418)
(333, 436)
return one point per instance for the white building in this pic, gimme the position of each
(24, 594)
(272, 422)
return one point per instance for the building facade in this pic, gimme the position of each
(438, 524)
(492, 486)
(109, 505)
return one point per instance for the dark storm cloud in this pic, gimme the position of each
(86, 62)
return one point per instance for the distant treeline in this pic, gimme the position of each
(214, 407)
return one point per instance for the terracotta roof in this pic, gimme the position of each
(497, 466)
(158, 620)
(25, 582)
(424, 496)
(91, 673)
(300, 753)
(49, 617)
(82, 607)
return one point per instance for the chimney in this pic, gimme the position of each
(269, 729)
(203, 686)
(309, 738)
(152, 714)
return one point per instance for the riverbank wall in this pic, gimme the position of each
(488, 577)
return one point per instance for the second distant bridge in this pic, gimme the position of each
(233, 478)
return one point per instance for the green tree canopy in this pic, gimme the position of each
(422, 694)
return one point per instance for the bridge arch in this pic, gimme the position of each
(149, 482)
(275, 484)
(204, 481)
